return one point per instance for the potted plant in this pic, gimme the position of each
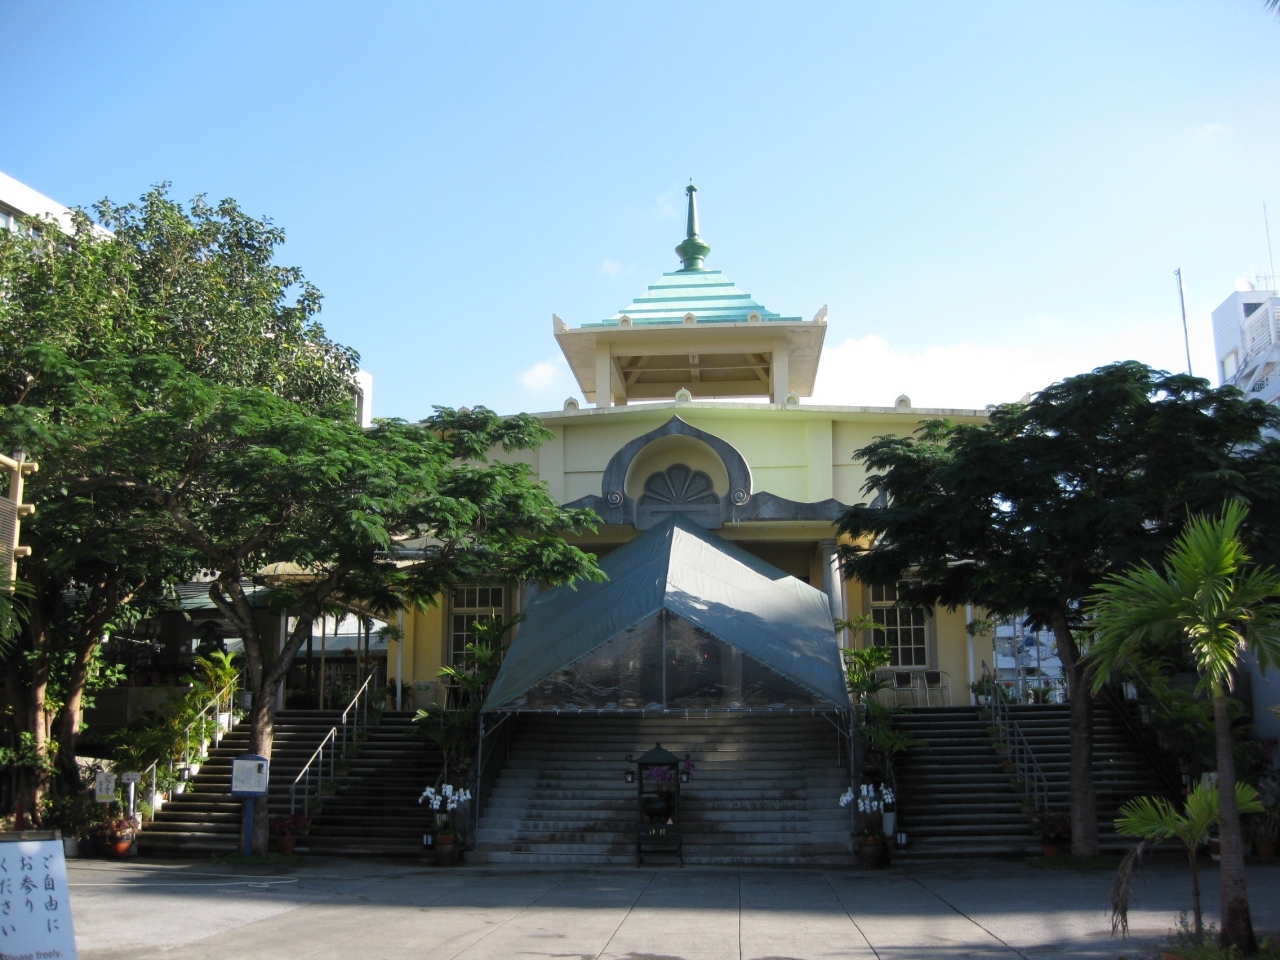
(76, 816)
(115, 836)
(287, 830)
(889, 816)
(446, 835)
(873, 846)
(1053, 827)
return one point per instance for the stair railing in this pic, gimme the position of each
(1142, 737)
(351, 716)
(304, 775)
(1035, 784)
(354, 711)
(201, 719)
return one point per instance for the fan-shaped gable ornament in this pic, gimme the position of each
(679, 489)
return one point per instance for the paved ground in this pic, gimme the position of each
(380, 910)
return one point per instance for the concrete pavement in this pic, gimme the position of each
(383, 910)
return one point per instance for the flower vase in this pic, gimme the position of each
(286, 844)
(873, 852)
(1266, 850)
(447, 851)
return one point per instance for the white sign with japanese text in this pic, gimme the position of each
(104, 786)
(131, 777)
(35, 905)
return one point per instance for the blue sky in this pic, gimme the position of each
(987, 196)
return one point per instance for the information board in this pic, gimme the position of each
(104, 786)
(249, 775)
(131, 777)
(35, 905)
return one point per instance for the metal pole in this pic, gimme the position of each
(399, 658)
(324, 621)
(249, 804)
(1186, 339)
(284, 629)
(1270, 262)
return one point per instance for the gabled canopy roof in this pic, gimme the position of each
(775, 620)
(707, 294)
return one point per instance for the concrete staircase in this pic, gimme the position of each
(205, 819)
(1120, 770)
(375, 811)
(954, 798)
(764, 790)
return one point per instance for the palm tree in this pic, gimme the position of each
(1210, 597)
(1153, 819)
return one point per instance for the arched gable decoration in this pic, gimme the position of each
(742, 503)
(613, 488)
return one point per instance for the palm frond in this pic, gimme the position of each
(1123, 887)
(1206, 593)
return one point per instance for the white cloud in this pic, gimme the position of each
(870, 372)
(668, 206)
(1206, 130)
(611, 268)
(548, 376)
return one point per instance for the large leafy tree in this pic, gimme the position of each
(1209, 596)
(1028, 511)
(244, 478)
(198, 285)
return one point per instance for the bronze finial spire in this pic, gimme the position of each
(693, 250)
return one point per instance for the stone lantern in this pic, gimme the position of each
(657, 780)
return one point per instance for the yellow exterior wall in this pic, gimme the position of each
(802, 453)
(423, 651)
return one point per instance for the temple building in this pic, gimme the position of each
(720, 448)
(719, 491)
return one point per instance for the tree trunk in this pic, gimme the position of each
(261, 739)
(69, 720)
(33, 715)
(1194, 853)
(1237, 926)
(1084, 799)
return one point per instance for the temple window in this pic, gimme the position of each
(903, 629)
(469, 603)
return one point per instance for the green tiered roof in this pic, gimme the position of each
(707, 294)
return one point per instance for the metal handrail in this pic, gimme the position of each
(217, 734)
(152, 770)
(305, 772)
(1034, 781)
(356, 721)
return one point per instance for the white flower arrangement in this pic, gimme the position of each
(870, 799)
(448, 797)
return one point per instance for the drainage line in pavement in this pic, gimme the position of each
(865, 938)
(518, 913)
(1006, 945)
(627, 914)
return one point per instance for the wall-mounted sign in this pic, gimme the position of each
(249, 775)
(35, 919)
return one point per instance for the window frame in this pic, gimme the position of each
(455, 640)
(928, 627)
